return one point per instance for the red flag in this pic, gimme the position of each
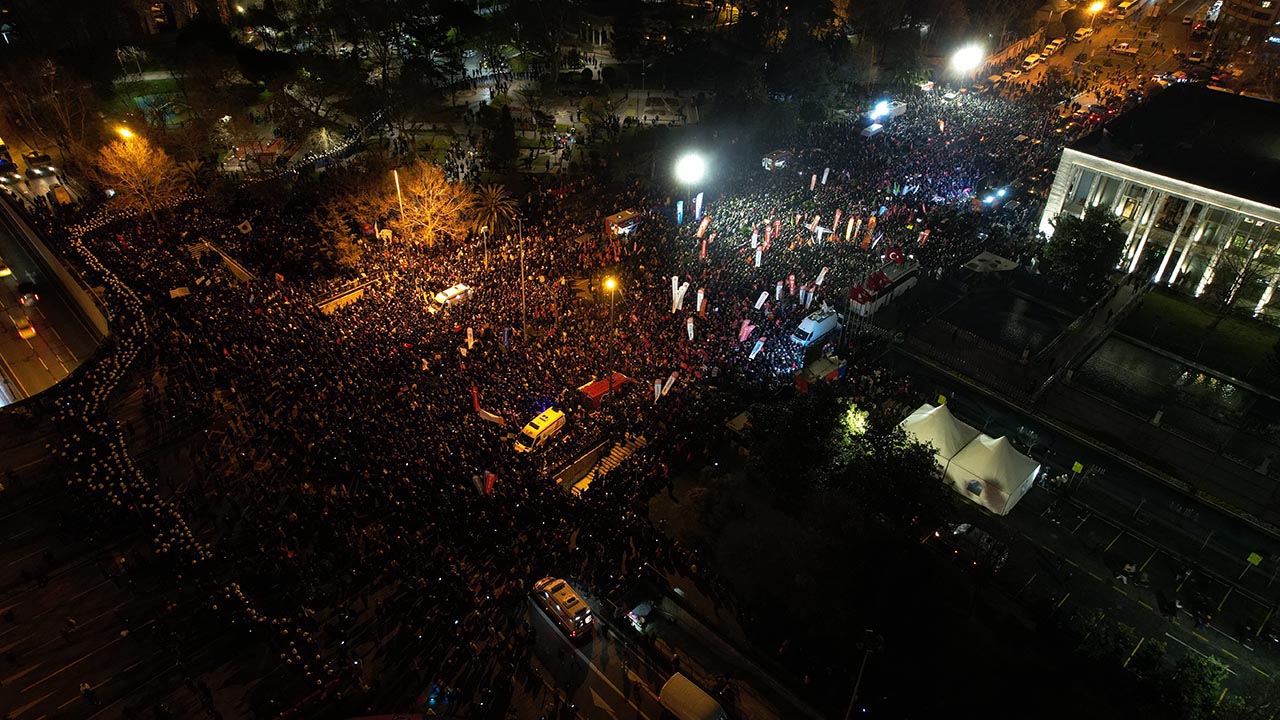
(859, 294)
(489, 480)
(896, 255)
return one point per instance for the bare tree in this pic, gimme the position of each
(434, 208)
(59, 109)
(144, 177)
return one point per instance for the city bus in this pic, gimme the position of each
(570, 612)
(1127, 8)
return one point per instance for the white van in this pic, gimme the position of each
(448, 296)
(540, 430)
(816, 326)
(1081, 34)
(685, 700)
(1031, 61)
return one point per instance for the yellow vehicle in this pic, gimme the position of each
(564, 606)
(26, 330)
(540, 430)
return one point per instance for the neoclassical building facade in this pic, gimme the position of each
(1193, 175)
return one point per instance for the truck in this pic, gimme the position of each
(815, 327)
(682, 698)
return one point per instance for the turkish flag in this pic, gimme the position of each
(859, 294)
(896, 255)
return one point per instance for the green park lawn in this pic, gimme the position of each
(1238, 346)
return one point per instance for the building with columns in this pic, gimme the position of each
(1194, 176)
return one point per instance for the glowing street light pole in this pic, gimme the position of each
(399, 197)
(967, 59)
(690, 169)
(1094, 9)
(611, 285)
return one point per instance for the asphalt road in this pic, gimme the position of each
(62, 340)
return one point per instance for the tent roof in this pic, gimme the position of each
(937, 426)
(996, 462)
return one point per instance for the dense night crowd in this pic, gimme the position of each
(340, 490)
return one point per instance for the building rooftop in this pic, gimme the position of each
(1224, 142)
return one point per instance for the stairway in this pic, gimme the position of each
(619, 452)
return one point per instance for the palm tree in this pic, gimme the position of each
(494, 210)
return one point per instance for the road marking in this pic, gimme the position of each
(1144, 604)
(86, 656)
(1200, 636)
(1113, 541)
(1082, 521)
(24, 557)
(1229, 654)
(19, 676)
(1095, 576)
(1117, 589)
(31, 704)
(1149, 558)
(1263, 673)
(1194, 650)
(1064, 599)
(1133, 652)
(1028, 583)
(1224, 598)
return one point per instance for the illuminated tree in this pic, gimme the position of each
(434, 207)
(144, 177)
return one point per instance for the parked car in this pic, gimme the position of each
(4, 269)
(1081, 34)
(1195, 56)
(9, 172)
(1012, 74)
(1124, 48)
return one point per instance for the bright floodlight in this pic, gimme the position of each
(610, 284)
(879, 110)
(124, 132)
(1097, 7)
(690, 169)
(966, 58)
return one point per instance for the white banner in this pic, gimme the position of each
(657, 389)
(777, 293)
(813, 181)
(808, 296)
(756, 350)
(471, 339)
(825, 173)
(760, 301)
(666, 387)
(848, 230)
(755, 238)
(821, 276)
(689, 325)
(744, 332)
(758, 253)
(700, 300)
(697, 207)
(677, 302)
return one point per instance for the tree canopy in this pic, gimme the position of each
(1085, 250)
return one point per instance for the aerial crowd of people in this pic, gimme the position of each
(350, 482)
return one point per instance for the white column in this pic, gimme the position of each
(1217, 254)
(1117, 204)
(1173, 241)
(1093, 188)
(1137, 220)
(1201, 221)
(1058, 192)
(1151, 222)
(1266, 295)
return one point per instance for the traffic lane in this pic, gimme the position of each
(32, 362)
(596, 674)
(56, 307)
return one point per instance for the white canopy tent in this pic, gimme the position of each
(938, 427)
(990, 472)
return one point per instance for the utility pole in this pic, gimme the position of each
(524, 313)
(869, 644)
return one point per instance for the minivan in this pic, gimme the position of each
(448, 296)
(539, 430)
(1031, 61)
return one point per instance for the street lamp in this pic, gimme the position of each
(967, 59)
(611, 284)
(124, 132)
(690, 168)
(1094, 9)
